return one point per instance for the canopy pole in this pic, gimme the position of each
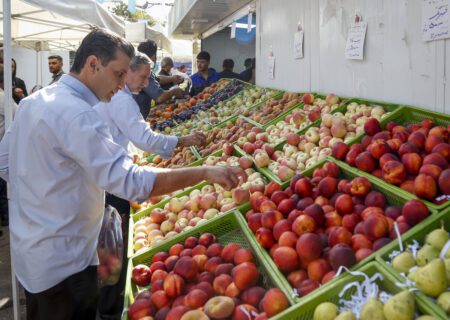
(7, 79)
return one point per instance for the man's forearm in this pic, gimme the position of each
(166, 95)
(165, 79)
(169, 180)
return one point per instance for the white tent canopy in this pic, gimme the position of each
(62, 24)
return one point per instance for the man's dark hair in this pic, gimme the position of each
(57, 57)
(149, 47)
(203, 55)
(102, 44)
(248, 63)
(228, 64)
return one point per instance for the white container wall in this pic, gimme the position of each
(398, 65)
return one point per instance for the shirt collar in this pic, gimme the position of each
(127, 90)
(79, 87)
(58, 74)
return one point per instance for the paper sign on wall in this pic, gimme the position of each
(298, 45)
(271, 67)
(233, 30)
(435, 19)
(355, 41)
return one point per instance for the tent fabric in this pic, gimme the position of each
(64, 23)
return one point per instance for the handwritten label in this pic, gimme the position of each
(233, 30)
(355, 41)
(271, 67)
(298, 45)
(435, 19)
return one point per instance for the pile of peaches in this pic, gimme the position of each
(323, 222)
(414, 157)
(203, 279)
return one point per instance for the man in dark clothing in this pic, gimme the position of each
(166, 67)
(55, 64)
(18, 85)
(248, 75)
(205, 76)
(227, 72)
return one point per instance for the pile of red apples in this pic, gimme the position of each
(201, 280)
(414, 157)
(323, 222)
(274, 107)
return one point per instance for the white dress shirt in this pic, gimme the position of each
(59, 158)
(125, 122)
(2, 112)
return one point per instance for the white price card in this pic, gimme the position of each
(435, 19)
(271, 67)
(355, 41)
(298, 45)
(233, 30)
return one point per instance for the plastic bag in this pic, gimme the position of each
(110, 248)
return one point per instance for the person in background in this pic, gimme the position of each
(249, 74)
(55, 64)
(126, 125)
(153, 91)
(182, 69)
(166, 67)
(205, 76)
(246, 75)
(57, 199)
(18, 85)
(227, 72)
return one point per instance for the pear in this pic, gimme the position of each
(346, 315)
(437, 238)
(412, 275)
(427, 318)
(403, 262)
(400, 307)
(432, 278)
(372, 310)
(426, 254)
(444, 302)
(326, 311)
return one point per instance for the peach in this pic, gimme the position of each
(303, 224)
(363, 253)
(195, 299)
(177, 312)
(425, 187)
(157, 285)
(392, 212)
(412, 162)
(339, 235)
(267, 205)
(232, 291)
(328, 277)
(383, 135)
(160, 256)
(344, 186)
(360, 241)
(377, 173)
(244, 312)
(254, 222)
(375, 227)
(307, 286)
(443, 149)
(368, 211)
(431, 142)
(270, 218)
(206, 287)
(431, 170)
(436, 159)
(212, 264)
(333, 219)
(190, 242)
(173, 285)
(316, 212)
(221, 283)
(224, 268)
(303, 187)
(206, 276)
(198, 249)
(159, 275)
(439, 131)
(372, 126)
(245, 275)
(328, 186)
(186, 252)
(219, 307)
(309, 246)
(344, 204)
(243, 255)
(341, 255)
(176, 249)
(194, 315)
(286, 206)
(360, 186)
(278, 196)
(444, 182)
(274, 302)
(207, 239)
(286, 259)
(331, 169)
(375, 199)
(378, 148)
(287, 239)
(350, 221)
(240, 195)
(186, 267)
(339, 150)
(160, 299)
(253, 296)
(351, 156)
(380, 243)
(417, 138)
(365, 162)
(158, 265)
(214, 250)
(394, 172)
(265, 237)
(408, 147)
(201, 260)
(281, 227)
(427, 123)
(273, 248)
(408, 185)
(229, 251)
(141, 309)
(272, 187)
(317, 269)
(394, 144)
(162, 313)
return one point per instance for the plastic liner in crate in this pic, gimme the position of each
(418, 233)
(406, 115)
(346, 172)
(305, 309)
(227, 228)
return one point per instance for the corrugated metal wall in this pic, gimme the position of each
(398, 66)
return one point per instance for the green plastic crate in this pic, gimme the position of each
(418, 233)
(404, 116)
(228, 228)
(346, 172)
(305, 309)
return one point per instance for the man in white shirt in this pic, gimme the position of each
(59, 157)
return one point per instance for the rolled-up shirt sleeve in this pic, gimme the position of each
(126, 116)
(4, 156)
(87, 140)
(153, 89)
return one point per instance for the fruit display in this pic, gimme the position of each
(320, 223)
(425, 264)
(181, 157)
(414, 157)
(204, 279)
(272, 108)
(185, 212)
(301, 151)
(229, 133)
